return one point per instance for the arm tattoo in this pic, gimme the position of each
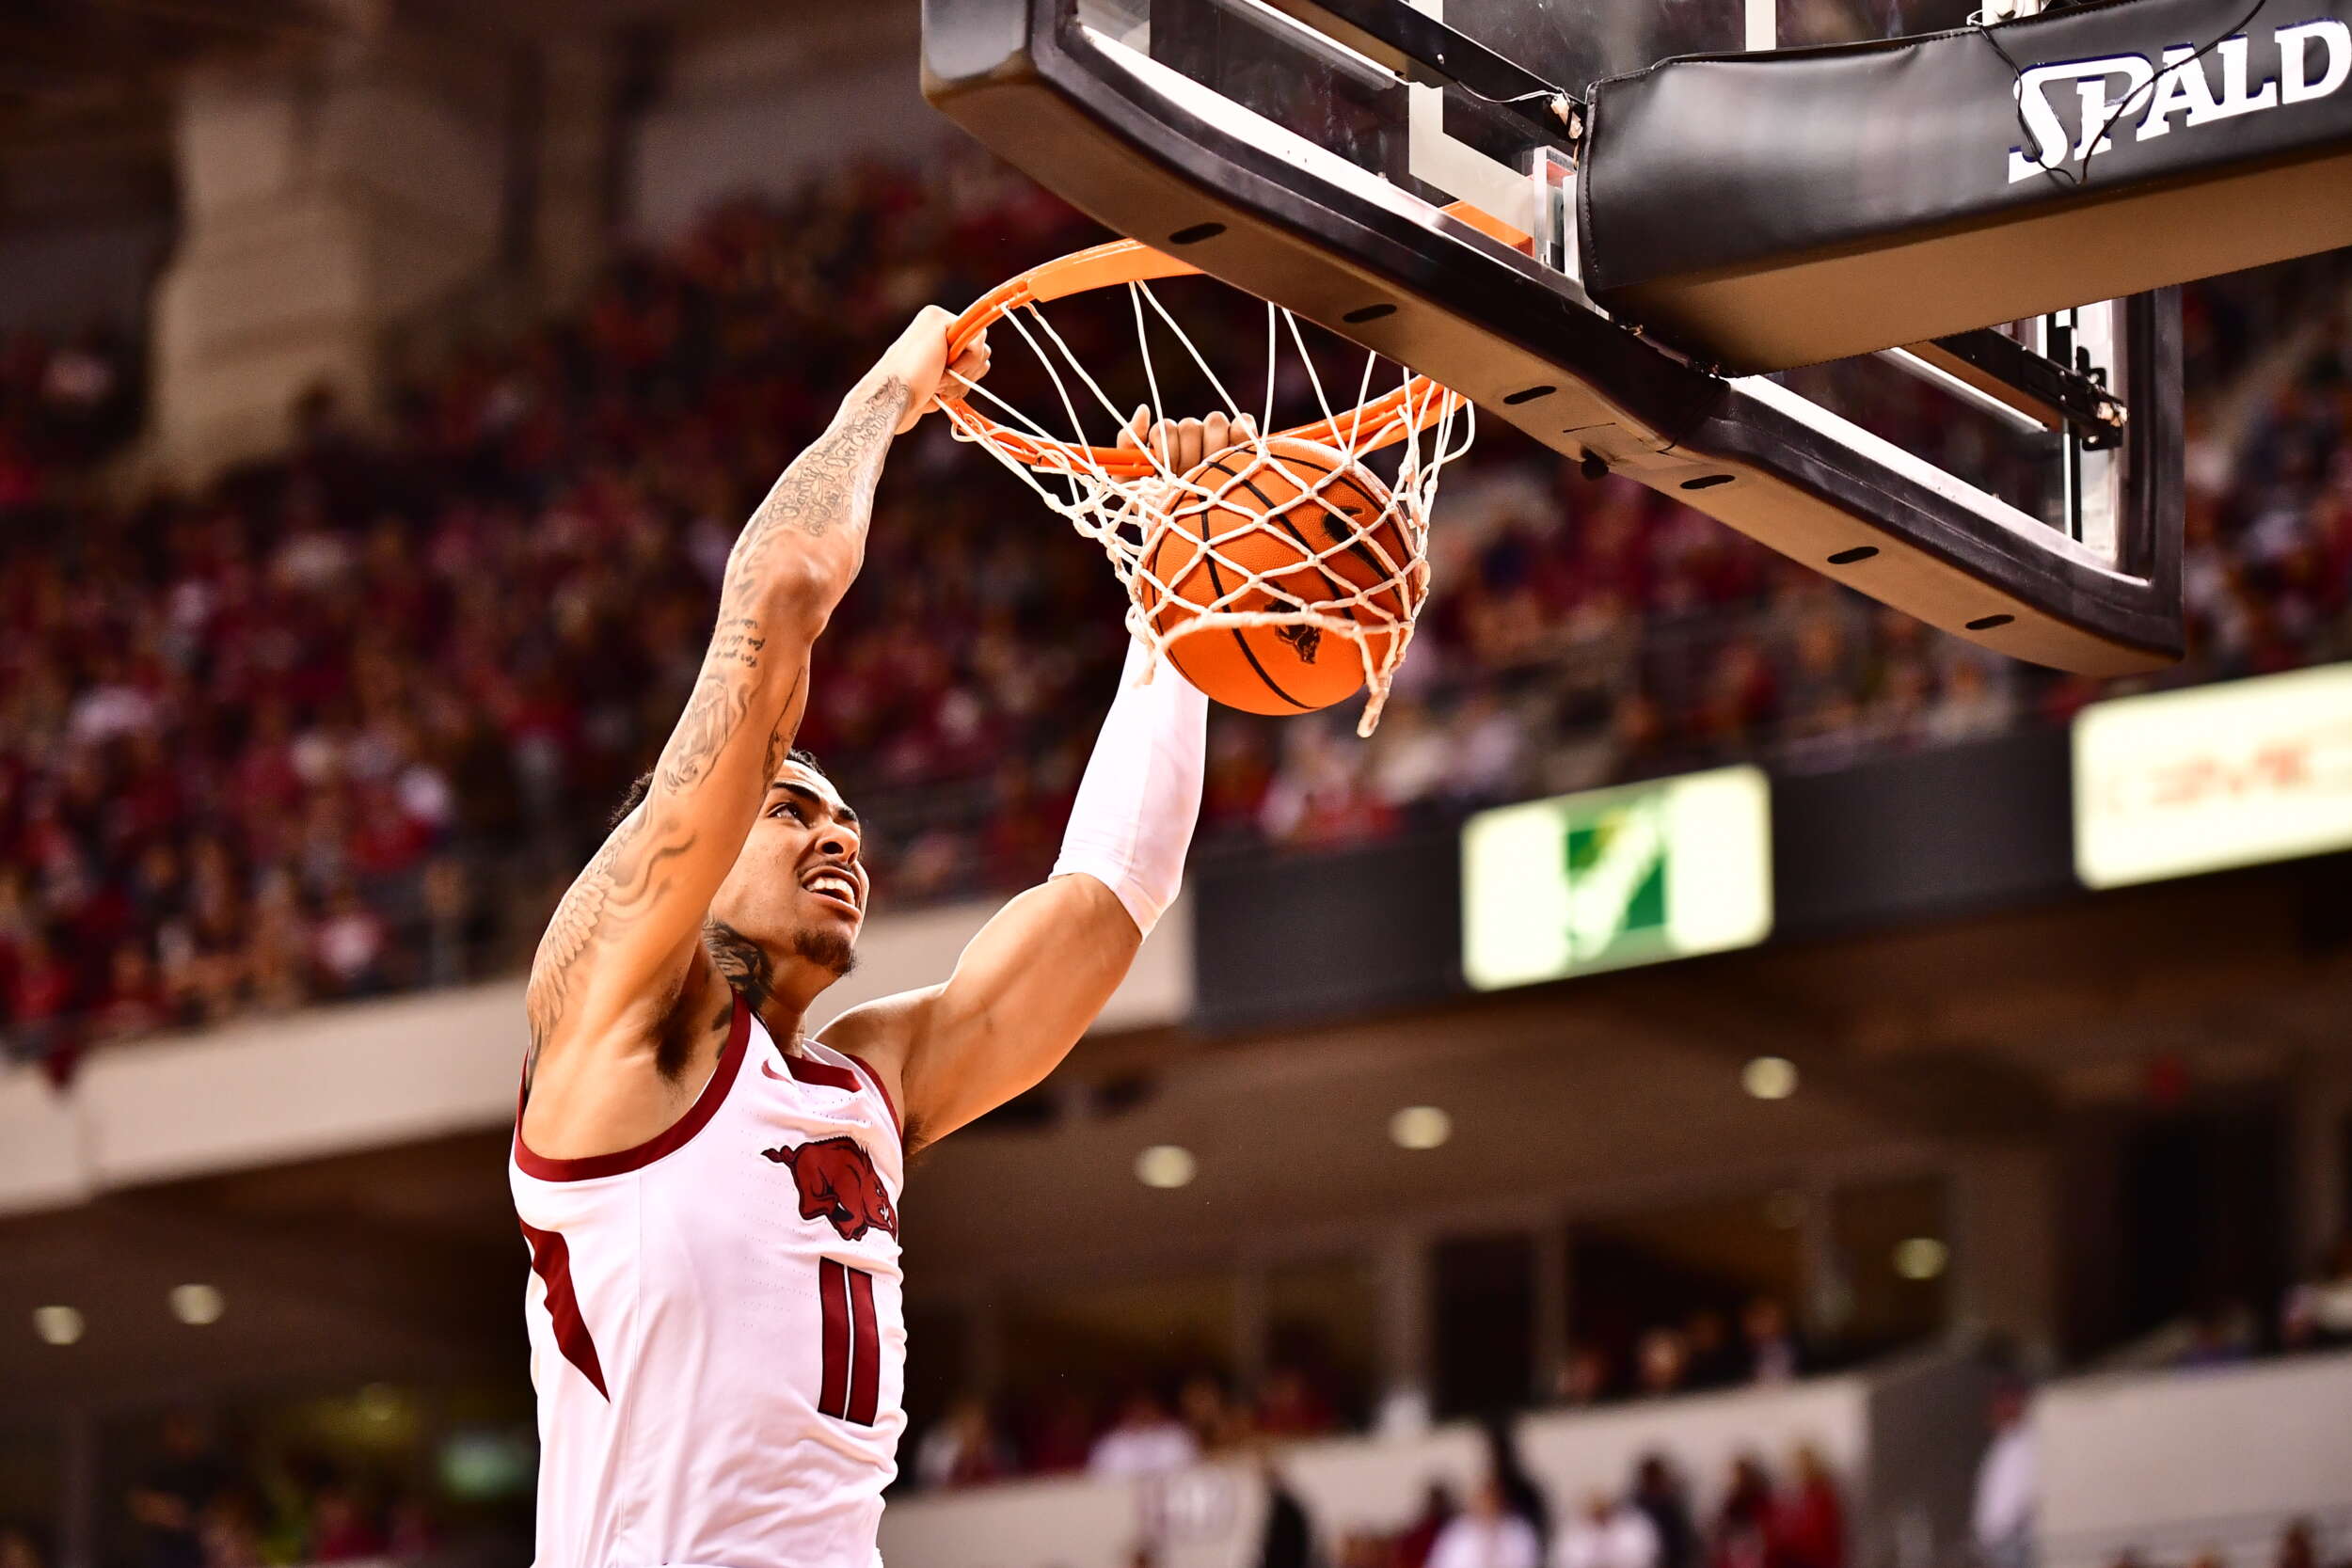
(829, 487)
(736, 642)
(719, 703)
(625, 877)
(831, 482)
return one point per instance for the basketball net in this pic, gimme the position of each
(1127, 499)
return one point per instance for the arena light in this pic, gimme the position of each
(1770, 1078)
(58, 1325)
(1612, 878)
(1420, 1127)
(1921, 1258)
(1167, 1165)
(197, 1305)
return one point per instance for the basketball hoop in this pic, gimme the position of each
(1126, 498)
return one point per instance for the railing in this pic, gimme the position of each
(1210, 1517)
(2173, 1463)
(2232, 1539)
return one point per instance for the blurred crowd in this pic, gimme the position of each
(347, 721)
(1151, 1429)
(200, 1502)
(1794, 1518)
(1701, 1353)
(2313, 1313)
(195, 1510)
(2299, 1546)
(1142, 1432)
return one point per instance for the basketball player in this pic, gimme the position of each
(710, 1196)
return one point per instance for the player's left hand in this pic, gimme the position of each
(1179, 446)
(1184, 445)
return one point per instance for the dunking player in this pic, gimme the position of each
(711, 1196)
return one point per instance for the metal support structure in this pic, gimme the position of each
(1983, 400)
(1553, 1288)
(2052, 393)
(1405, 1314)
(1252, 1329)
(77, 1489)
(1828, 1292)
(1414, 41)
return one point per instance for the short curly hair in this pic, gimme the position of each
(642, 785)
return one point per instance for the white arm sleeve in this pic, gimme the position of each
(1133, 819)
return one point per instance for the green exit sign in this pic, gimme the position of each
(1613, 877)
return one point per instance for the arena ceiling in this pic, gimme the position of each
(85, 85)
(63, 60)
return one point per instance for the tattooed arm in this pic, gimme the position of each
(624, 945)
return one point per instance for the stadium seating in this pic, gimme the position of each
(346, 722)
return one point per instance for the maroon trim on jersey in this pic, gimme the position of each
(670, 1141)
(833, 1392)
(888, 1104)
(551, 1261)
(865, 1350)
(808, 1070)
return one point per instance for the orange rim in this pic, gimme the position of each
(1415, 406)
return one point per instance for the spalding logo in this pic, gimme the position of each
(837, 1183)
(2124, 95)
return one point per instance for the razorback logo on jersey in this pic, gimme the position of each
(837, 1183)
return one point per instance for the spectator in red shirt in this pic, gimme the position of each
(1808, 1522)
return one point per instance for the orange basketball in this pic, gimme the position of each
(1281, 669)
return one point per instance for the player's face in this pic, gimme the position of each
(799, 888)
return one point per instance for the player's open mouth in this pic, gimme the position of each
(835, 887)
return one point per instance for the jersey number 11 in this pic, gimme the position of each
(852, 1376)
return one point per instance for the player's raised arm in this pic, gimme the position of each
(1036, 975)
(620, 945)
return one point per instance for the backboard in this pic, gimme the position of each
(1406, 175)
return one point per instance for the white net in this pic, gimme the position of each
(1287, 530)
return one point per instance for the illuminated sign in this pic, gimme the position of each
(2176, 782)
(1617, 876)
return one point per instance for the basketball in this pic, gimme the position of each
(1299, 528)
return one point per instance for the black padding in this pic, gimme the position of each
(1778, 209)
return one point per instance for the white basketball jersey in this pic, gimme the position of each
(716, 1328)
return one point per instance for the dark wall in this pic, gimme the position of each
(1938, 832)
(1317, 935)
(1943, 832)
(2173, 1212)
